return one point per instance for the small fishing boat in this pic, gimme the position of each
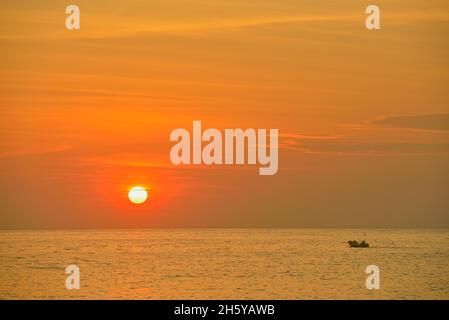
(356, 244)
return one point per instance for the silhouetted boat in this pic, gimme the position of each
(356, 244)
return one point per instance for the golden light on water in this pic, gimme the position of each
(137, 195)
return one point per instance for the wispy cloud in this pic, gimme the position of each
(423, 122)
(375, 149)
(32, 151)
(351, 143)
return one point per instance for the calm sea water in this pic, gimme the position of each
(224, 264)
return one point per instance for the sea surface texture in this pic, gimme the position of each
(224, 264)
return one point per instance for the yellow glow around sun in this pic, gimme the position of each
(137, 195)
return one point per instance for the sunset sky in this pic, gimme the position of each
(363, 115)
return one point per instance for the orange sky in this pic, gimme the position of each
(362, 115)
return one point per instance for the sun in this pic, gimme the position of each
(137, 195)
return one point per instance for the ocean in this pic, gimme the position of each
(224, 264)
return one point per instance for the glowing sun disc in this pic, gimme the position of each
(137, 195)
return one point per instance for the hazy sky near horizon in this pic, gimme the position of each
(363, 115)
